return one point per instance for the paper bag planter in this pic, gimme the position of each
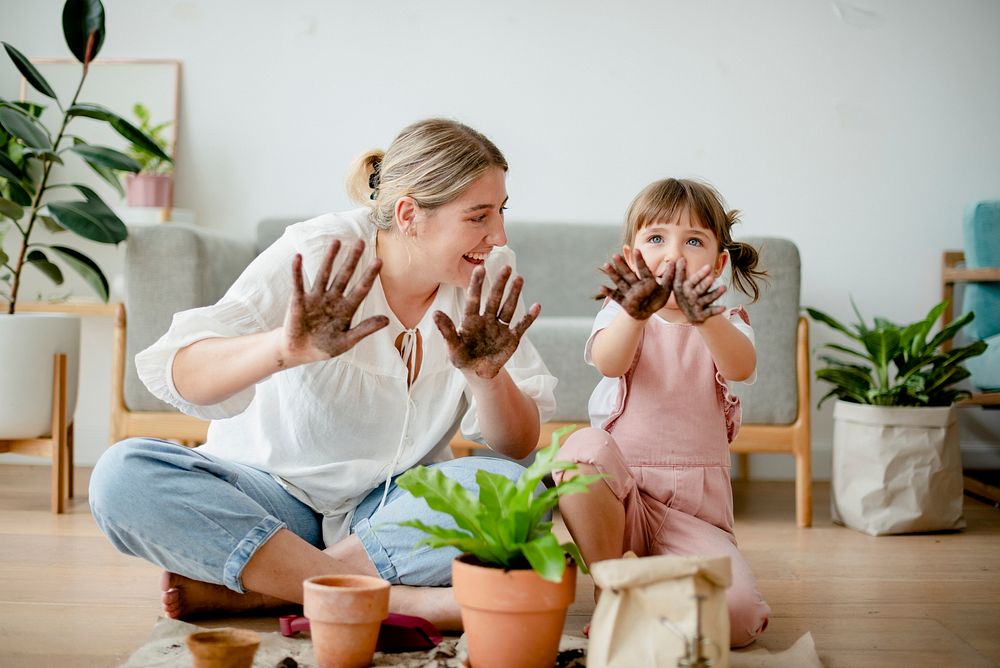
(660, 611)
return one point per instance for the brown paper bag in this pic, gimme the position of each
(896, 470)
(648, 611)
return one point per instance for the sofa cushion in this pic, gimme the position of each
(171, 268)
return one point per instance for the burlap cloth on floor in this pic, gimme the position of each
(166, 649)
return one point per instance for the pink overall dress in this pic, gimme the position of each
(666, 450)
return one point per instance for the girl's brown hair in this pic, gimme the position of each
(433, 161)
(662, 201)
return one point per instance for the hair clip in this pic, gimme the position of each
(375, 178)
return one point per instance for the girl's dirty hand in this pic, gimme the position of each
(318, 321)
(639, 292)
(694, 294)
(485, 341)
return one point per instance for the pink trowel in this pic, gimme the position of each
(399, 633)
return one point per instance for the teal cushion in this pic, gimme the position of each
(985, 368)
(982, 249)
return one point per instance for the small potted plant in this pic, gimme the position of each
(896, 460)
(513, 580)
(153, 184)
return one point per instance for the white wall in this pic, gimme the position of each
(859, 130)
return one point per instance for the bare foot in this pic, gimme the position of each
(184, 598)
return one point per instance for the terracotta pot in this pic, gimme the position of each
(512, 619)
(155, 190)
(345, 613)
(223, 648)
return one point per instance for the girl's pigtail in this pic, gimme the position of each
(743, 258)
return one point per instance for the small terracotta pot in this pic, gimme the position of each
(223, 648)
(345, 613)
(512, 619)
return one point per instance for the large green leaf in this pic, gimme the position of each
(91, 219)
(10, 209)
(573, 551)
(38, 259)
(106, 157)
(32, 75)
(9, 169)
(881, 344)
(443, 494)
(25, 128)
(948, 332)
(849, 351)
(546, 557)
(830, 322)
(81, 19)
(121, 126)
(51, 225)
(87, 269)
(445, 537)
(139, 138)
(44, 154)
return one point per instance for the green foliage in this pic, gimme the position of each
(897, 365)
(506, 525)
(28, 151)
(152, 160)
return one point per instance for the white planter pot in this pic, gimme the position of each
(896, 469)
(28, 342)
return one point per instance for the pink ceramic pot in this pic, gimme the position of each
(156, 190)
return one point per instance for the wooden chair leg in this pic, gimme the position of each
(58, 438)
(71, 468)
(744, 461)
(803, 489)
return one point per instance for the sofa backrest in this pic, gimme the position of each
(175, 267)
(171, 268)
(773, 399)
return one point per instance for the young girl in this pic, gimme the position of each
(663, 416)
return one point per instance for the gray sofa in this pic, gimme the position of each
(173, 267)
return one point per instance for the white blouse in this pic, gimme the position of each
(330, 432)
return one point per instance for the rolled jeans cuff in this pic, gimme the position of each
(232, 574)
(376, 551)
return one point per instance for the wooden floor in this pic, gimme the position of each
(68, 599)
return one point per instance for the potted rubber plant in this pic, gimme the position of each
(153, 184)
(896, 459)
(514, 581)
(32, 197)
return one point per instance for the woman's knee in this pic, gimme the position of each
(465, 469)
(126, 474)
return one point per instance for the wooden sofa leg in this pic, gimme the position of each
(71, 459)
(743, 459)
(58, 435)
(803, 490)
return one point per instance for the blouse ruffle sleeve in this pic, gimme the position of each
(256, 302)
(525, 366)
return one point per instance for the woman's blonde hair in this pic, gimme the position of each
(662, 201)
(433, 161)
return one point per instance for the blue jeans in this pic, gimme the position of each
(204, 517)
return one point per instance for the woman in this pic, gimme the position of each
(326, 379)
